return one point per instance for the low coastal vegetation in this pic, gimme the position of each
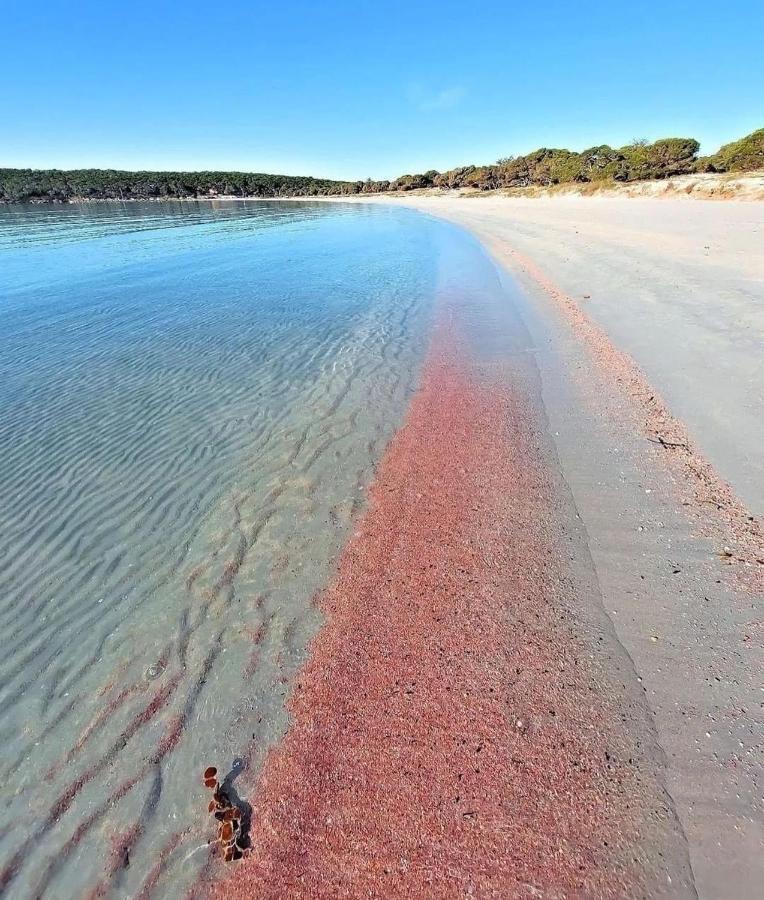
(638, 161)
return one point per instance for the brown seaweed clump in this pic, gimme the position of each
(231, 835)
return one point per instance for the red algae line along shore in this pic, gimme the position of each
(454, 731)
(677, 555)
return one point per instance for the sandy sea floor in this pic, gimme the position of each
(193, 402)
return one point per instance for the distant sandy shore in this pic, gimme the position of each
(700, 185)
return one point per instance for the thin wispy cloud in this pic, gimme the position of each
(427, 100)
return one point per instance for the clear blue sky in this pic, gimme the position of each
(357, 89)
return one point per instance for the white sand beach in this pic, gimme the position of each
(676, 283)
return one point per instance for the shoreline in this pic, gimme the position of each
(459, 726)
(541, 510)
(680, 607)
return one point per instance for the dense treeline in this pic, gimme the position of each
(635, 162)
(108, 184)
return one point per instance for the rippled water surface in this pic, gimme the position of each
(193, 397)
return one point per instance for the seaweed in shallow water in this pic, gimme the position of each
(232, 835)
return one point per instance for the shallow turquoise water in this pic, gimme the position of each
(194, 397)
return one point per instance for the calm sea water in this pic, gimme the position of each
(193, 398)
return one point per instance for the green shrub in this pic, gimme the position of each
(598, 164)
(666, 157)
(744, 155)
